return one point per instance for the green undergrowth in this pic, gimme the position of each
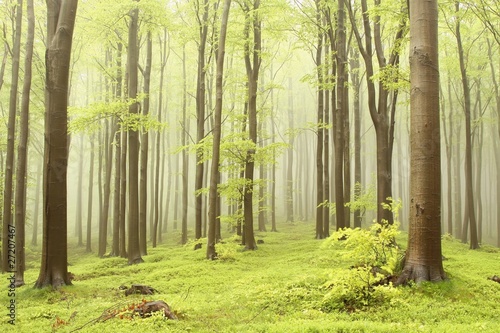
(281, 287)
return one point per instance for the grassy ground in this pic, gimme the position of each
(278, 288)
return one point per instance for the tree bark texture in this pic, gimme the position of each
(134, 252)
(8, 223)
(143, 239)
(252, 64)
(423, 257)
(214, 169)
(469, 192)
(60, 25)
(22, 151)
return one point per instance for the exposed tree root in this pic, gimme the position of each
(420, 273)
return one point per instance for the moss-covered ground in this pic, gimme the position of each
(278, 288)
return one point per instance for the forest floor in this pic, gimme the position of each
(281, 287)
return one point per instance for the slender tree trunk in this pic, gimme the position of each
(357, 135)
(471, 216)
(185, 159)
(200, 117)
(289, 167)
(123, 192)
(134, 252)
(214, 169)
(143, 189)
(78, 217)
(36, 210)
(326, 155)
(341, 107)
(320, 131)
(90, 197)
(60, 24)
(22, 151)
(159, 158)
(252, 64)
(382, 121)
(104, 218)
(448, 144)
(115, 250)
(8, 223)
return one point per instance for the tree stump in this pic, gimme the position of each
(148, 308)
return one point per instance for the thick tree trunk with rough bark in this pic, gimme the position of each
(423, 260)
(60, 24)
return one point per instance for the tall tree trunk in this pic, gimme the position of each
(8, 224)
(357, 135)
(479, 158)
(341, 107)
(22, 151)
(320, 128)
(115, 249)
(214, 169)
(448, 139)
(159, 157)
(104, 218)
(423, 257)
(60, 24)
(134, 252)
(326, 154)
(379, 112)
(123, 192)
(200, 116)
(143, 184)
(88, 243)
(252, 64)
(185, 159)
(36, 210)
(289, 166)
(474, 244)
(78, 217)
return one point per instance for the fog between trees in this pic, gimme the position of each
(296, 77)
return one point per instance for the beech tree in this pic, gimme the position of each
(22, 151)
(134, 252)
(423, 260)
(382, 116)
(253, 47)
(11, 131)
(214, 171)
(61, 16)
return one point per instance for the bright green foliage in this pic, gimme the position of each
(356, 288)
(373, 247)
(375, 257)
(366, 201)
(88, 119)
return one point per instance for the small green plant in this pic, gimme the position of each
(356, 288)
(228, 249)
(376, 260)
(373, 247)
